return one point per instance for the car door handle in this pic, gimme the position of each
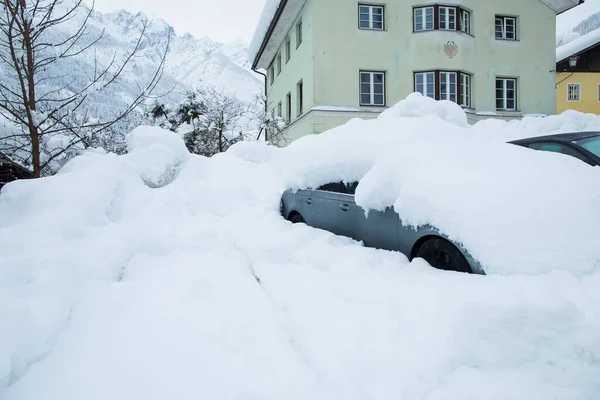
(345, 207)
(308, 201)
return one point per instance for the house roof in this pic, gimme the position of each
(560, 6)
(267, 18)
(578, 46)
(278, 17)
(276, 20)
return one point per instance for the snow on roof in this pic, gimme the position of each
(263, 26)
(578, 45)
(279, 15)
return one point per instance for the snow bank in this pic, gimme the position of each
(113, 288)
(253, 151)
(531, 126)
(417, 105)
(156, 154)
(495, 198)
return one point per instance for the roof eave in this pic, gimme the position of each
(571, 7)
(267, 37)
(578, 52)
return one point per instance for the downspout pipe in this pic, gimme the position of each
(266, 105)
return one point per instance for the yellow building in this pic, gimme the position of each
(578, 74)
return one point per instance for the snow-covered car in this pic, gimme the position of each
(332, 207)
(496, 206)
(582, 145)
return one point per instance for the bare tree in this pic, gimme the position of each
(223, 118)
(271, 126)
(214, 121)
(33, 48)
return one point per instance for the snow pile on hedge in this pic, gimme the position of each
(569, 121)
(123, 278)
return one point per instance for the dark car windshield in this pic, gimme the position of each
(591, 144)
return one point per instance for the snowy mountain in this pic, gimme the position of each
(589, 24)
(586, 26)
(577, 22)
(190, 61)
(101, 68)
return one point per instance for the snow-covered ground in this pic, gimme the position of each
(159, 274)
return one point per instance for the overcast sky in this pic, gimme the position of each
(222, 20)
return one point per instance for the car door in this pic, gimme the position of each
(321, 205)
(351, 217)
(378, 229)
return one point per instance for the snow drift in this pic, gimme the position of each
(514, 209)
(123, 278)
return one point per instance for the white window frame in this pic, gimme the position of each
(372, 84)
(288, 107)
(427, 77)
(371, 21)
(459, 92)
(445, 78)
(574, 92)
(300, 98)
(465, 21)
(271, 74)
(299, 33)
(278, 63)
(505, 92)
(445, 21)
(503, 19)
(288, 49)
(465, 90)
(423, 17)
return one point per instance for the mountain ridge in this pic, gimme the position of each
(191, 61)
(589, 24)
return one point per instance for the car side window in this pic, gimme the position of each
(351, 187)
(558, 148)
(550, 147)
(335, 187)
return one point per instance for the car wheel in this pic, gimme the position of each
(296, 219)
(442, 254)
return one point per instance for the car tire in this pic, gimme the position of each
(441, 254)
(296, 219)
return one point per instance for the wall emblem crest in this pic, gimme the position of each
(450, 49)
